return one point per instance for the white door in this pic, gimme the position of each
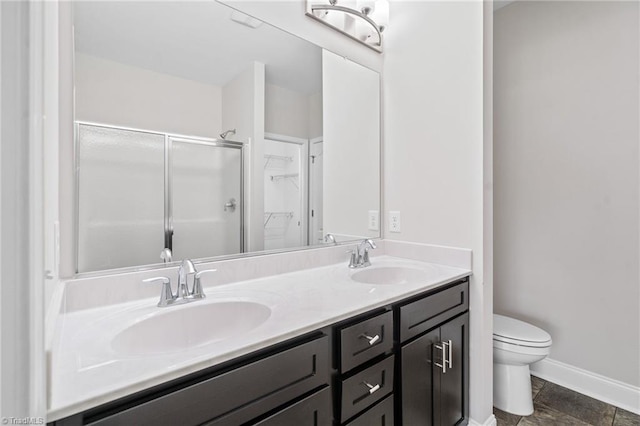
(316, 232)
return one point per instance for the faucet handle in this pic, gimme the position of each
(353, 258)
(365, 258)
(167, 294)
(197, 292)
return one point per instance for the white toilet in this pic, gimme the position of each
(516, 344)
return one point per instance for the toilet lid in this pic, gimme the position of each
(511, 330)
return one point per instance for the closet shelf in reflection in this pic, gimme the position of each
(276, 161)
(291, 177)
(268, 216)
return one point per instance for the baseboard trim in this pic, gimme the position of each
(591, 384)
(491, 421)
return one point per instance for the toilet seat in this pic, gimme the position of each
(519, 333)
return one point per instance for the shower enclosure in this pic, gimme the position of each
(139, 192)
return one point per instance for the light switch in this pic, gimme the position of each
(394, 221)
(374, 220)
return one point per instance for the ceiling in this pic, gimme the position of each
(194, 40)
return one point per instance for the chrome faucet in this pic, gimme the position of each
(360, 255)
(183, 294)
(165, 255)
(186, 268)
(330, 238)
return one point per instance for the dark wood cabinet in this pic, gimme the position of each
(380, 414)
(451, 384)
(314, 410)
(403, 364)
(434, 376)
(416, 380)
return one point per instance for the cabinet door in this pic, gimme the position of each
(451, 390)
(417, 380)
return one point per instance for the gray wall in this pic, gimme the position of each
(566, 178)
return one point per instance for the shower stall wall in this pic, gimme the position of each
(139, 192)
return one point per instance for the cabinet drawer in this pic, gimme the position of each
(314, 410)
(365, 340)
(426, 313)
(239, 395)
(380, 414)
(366, 387)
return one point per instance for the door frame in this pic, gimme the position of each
(304, 181)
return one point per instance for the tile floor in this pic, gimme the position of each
(554, 405)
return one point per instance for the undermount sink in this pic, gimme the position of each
(390, 275)
(190, 326)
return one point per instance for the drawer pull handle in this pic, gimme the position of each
(372, 340)
(372, 389)
(443, 350)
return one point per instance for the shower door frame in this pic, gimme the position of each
(168, 177)
(168, 207)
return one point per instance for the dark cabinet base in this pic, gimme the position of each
(404, 364)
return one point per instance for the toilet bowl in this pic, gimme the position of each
(516, 345)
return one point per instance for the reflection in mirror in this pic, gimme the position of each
(210, 133)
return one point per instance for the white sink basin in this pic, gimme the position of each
(180, 328)
(390, 275)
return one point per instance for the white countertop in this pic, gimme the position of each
(86, 371)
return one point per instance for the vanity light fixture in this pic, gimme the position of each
(362, 20)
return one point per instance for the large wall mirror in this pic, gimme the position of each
(207, 132)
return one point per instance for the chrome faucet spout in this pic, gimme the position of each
(330, 238)
(364, 246)
(186, 268)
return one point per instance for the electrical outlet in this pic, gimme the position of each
(394, 221)
(374, 220)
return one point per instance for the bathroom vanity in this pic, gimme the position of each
(404, 361)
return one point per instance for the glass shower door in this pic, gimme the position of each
(120, 197)
(206, 198)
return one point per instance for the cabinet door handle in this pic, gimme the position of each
(449, 346)
(372, 389)
(443, 351)
(372, 340)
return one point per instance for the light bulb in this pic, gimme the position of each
(366, 6)
(381, 14)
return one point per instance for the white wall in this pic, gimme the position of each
(243, 100)
(108, 92)
(566, 171)
(351, 147)
(24, 104)
(286, 112)
(433, 150)
(315, 115)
